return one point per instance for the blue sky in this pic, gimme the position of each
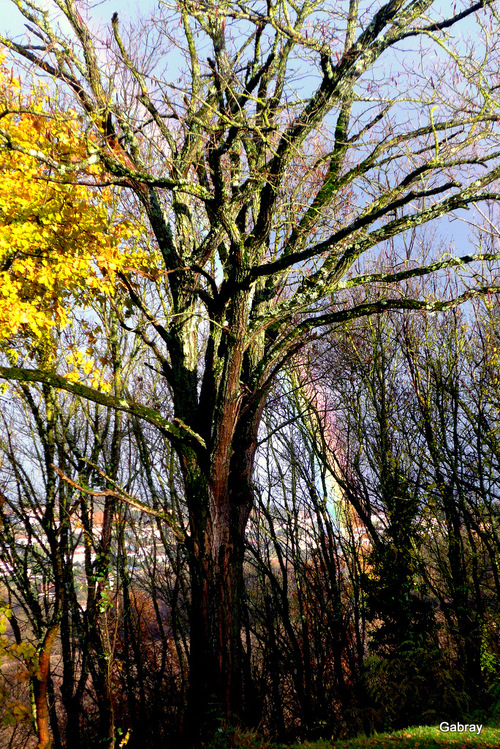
(12, 22)
(101, 11)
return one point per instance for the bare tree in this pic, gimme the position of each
(267, 169)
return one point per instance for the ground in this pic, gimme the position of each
(421, 737)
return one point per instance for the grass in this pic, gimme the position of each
(421, 737)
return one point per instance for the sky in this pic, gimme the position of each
(101, 11)
(12, 22)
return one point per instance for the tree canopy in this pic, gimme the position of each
(59, 242)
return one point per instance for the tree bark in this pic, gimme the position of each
(40, 685)
(221, 508)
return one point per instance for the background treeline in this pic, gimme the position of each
(372, 577)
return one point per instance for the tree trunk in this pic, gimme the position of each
(216, 569)
(40, 684)
(220, 509)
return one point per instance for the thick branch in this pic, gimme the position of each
(175, 430)
(384, 305)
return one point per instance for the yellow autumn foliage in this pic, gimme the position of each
(60, 244)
